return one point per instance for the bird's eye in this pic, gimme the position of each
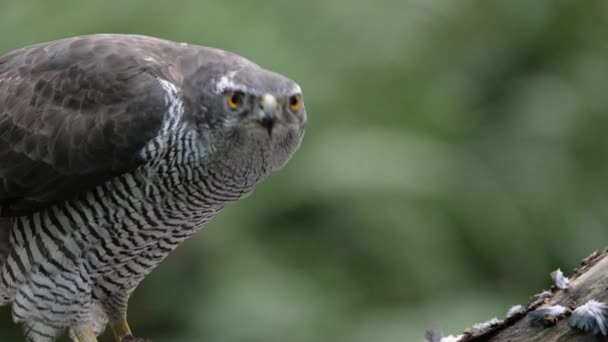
(235, 100)
(295, 102)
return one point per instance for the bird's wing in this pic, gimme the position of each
(73, 114)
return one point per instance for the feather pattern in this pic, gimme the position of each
(73, 114)
(113, 152)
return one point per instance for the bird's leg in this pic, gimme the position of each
(118, 321)
(115, 307)
(121, 329)
(122, 332)
(85, 333)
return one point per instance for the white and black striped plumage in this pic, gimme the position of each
(113, 150)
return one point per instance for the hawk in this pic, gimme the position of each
(113, 150)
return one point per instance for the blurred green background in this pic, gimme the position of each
(456, 154)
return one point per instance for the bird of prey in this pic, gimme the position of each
(113, 150)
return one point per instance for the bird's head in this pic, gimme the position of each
(251, 108)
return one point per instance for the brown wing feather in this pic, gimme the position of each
(73, 114)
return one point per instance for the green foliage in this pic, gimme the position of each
(456, 153)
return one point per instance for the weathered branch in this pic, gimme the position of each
(533, 323)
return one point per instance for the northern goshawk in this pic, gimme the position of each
(113, 150)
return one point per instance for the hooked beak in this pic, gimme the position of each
(267, 112)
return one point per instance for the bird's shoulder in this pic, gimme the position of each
(77, 112)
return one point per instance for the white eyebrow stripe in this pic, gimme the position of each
(226, 82)
(295, 90)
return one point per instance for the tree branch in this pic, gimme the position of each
(536, 322)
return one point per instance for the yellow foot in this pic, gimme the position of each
(85, 333)
(122, 332)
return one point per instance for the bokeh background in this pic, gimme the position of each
(456, 154)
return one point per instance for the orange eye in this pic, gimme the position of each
(235, 100)
(295, 102)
